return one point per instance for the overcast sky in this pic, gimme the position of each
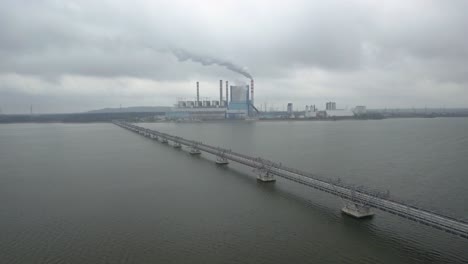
(71, 56)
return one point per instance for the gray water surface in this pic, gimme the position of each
(96, 193)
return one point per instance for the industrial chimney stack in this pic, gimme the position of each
(198, 93)
(252, 91)
(227, 93)
(220, 92)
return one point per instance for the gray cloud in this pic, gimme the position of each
(353, 49)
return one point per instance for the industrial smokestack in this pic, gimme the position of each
(252, 91)
(220, 92)
(198, 93)
(227, 92)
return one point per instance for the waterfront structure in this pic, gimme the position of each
(199, 108)
(238, 107)
(290, 110)
(310, 112)
(330, 106)
(197, 113)
(341, 113)
(358, 202)
(360, 110)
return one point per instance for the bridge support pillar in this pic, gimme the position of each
(357, 210)
(194, 151)
(265, 177)
(222, 161)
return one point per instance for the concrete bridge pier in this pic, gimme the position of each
(221, 161)
(357, 202)
(194, 151)
(221, 158)
(357, 210)
(265, 177)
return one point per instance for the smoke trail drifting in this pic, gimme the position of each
(183, 55)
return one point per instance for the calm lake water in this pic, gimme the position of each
(97, 193)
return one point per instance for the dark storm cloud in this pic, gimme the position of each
(374, 44)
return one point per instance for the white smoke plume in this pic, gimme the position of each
(183, 55)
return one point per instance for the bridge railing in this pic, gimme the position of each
(372, 198)
(280, 166)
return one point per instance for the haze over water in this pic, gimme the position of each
(96, 193)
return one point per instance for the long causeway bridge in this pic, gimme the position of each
(358, 202)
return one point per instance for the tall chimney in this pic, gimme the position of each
(252, 91)
(198, 93)
(227, 92)
(220, 92)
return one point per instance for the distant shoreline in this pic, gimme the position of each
(147, 117)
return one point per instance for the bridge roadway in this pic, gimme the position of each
(360, 198)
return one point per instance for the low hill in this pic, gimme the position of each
(133, 109)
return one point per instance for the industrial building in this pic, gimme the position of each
(330, 106)
(236, 102)
(290, 110)
(310, 112)
(240, 105)
(330, 112)
(341, 113)
(360, 110)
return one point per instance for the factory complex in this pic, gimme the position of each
(236, 102)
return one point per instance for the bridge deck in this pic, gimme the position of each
(435, 220)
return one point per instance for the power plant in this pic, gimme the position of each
(237, 104)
